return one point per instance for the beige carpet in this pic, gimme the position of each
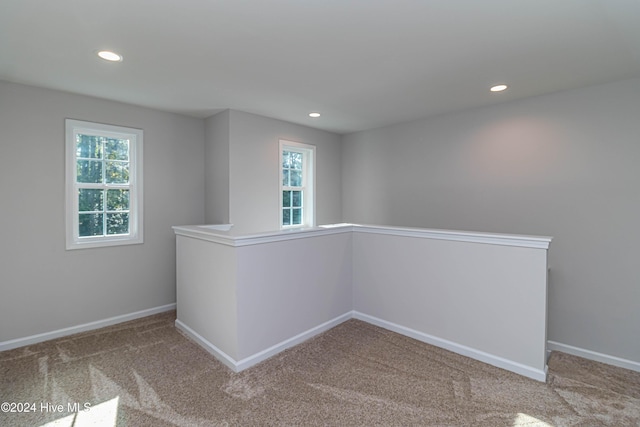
(145, 373)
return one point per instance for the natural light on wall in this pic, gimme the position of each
(517, 150)
(104, 414)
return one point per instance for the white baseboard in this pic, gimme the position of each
(247, 362)
(237, 366)
(34, 339)
(594, 355)
(273, 350)
(254, 359)
(223, 357)
(518, 368)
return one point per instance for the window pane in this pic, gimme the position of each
(286, 199)
(89, 200)
(117, 200)
(297, 199)
(286, 159)
(118, 223)
(88, 146)
(90, 225)
(296, 178)
(117, 172)
(89, 171)
(297, 183)
(296, 161)
(116, 149)
(104, 193)
(296, 217)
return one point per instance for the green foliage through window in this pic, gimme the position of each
(292, 182)
(102, 163)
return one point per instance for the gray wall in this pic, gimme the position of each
(254, 174)
(565, 165)
(221, 169)
(44, 287)
(216, 153)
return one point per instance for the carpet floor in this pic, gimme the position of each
(146, 373)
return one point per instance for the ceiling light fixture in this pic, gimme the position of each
(108, 55)
(498, 88)
(314, 115)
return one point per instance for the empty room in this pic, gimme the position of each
(237, 213)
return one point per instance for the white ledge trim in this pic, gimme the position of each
(230, 239)
(227, 238)
(540, 242)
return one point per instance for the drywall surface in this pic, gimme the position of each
(216, 155)
(489, 298)
(312, 285)
(254, 171)
(206, 291)
(565, 165)
(478, 294)
(45, 287)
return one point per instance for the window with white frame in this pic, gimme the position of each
(103, 185)
(297, 179)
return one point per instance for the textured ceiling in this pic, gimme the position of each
(361, 63)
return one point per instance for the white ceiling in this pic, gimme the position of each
(361, 63)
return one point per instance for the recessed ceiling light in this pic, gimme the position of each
(314, 115)
(498, 88)
(107, 55)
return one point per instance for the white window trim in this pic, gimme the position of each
(135, 136)
(309, 180)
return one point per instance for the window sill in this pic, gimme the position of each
(105, 242)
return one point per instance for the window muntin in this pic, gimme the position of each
(104, 185)
(296, 184)
(292, 188)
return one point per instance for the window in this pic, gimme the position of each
(297, 176)
(103, 185)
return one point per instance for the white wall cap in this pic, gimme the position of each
(230, 238)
